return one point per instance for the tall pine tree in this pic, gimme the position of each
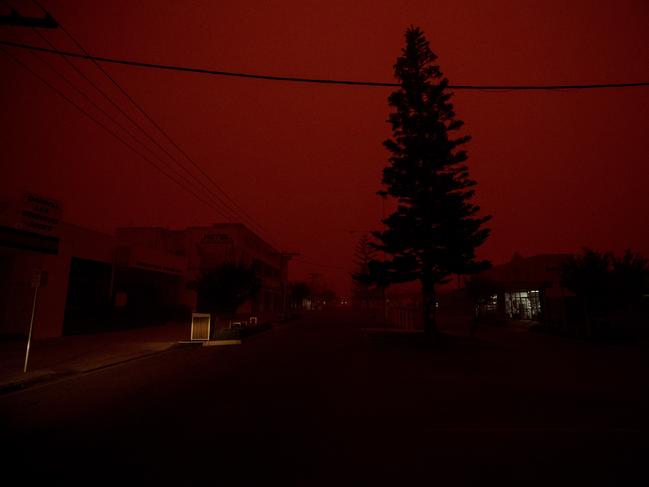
(436, 228)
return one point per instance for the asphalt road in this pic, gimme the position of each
(317, 402)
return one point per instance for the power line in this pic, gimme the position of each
(238, 212)
(112, 119)
(106, 128)
(294, 79)
(161, 130)
(245, 215)
(116, 122)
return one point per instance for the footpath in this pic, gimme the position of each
(53, 358)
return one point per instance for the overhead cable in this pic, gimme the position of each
(108, 129)
(233, 207)
(214, 72)
(131, 120)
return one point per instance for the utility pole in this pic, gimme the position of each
(14, 19)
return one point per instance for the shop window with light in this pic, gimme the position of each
(523, 305)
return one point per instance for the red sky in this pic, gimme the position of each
(556, 170)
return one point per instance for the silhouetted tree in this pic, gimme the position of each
(363, 255)
(435, 229)
(588, 275)
(223, 289)
(603, 282)
(630, 277)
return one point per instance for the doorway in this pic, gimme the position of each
(88, 302)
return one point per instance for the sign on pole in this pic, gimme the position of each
(38, 214)
(38, 277)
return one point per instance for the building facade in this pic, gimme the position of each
(526, 288)
(77, 280)
(62, 272)
(196, 250)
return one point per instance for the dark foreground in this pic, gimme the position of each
(315, 402)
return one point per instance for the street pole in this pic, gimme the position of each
(31, 327)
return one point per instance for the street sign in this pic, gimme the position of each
(38, 214)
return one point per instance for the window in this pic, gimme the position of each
(523, 305)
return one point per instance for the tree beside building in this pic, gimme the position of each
(435, 228)
(605, 284)
(222, 289)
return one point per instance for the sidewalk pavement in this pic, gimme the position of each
(53, 358)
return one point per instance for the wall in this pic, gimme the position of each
(18, 292)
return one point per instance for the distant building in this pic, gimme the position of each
(526, 288)
(181, 255)
(89, 281)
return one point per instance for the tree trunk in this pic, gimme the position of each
(428, 306)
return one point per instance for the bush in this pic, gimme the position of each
(221, 290)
